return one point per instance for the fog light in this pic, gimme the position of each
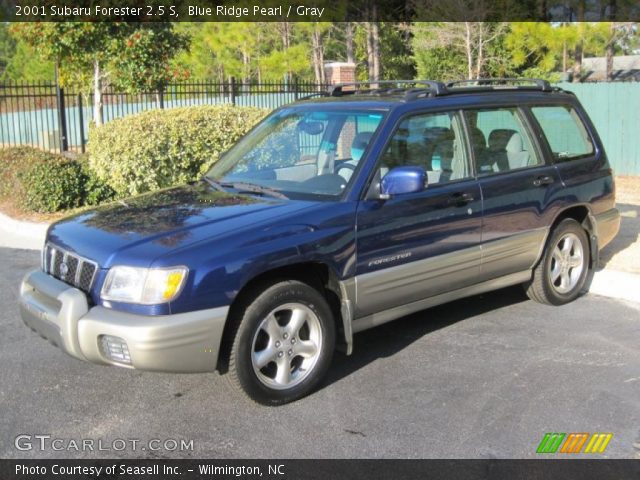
(114, 349)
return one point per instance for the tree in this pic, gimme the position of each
(144, 63)
(537, 45)
(95, 54)
(7, 48)
(18, 61)
(348, 41)
(396, 56)
(439, 64)
(545, 48)
(620, 34)
(578, 50)
(265, 51)
(470, 41)
(25, 65)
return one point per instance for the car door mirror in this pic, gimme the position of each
(403, 180)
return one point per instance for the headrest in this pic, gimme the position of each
(499, 138)
(361, 140)
(515, 143)
(436, 134)
(478, 140)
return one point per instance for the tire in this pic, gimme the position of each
(283, 344)
(561, 273)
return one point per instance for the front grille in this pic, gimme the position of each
(69, 267)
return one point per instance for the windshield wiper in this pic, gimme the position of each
(214, 184)
(244, 187)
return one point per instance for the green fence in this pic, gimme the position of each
(614, 108)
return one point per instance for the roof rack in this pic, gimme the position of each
(315, 94)
(433, 89)
(506, 83)
(429, 88)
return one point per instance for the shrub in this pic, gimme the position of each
(96, 191)
(13, 161)
(34, 180)
(53, 185)
(160, 148)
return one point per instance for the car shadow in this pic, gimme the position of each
(627, 236)
(390, 338)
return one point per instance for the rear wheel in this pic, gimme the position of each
(284, 343)
(561, 273)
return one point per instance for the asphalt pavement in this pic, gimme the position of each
(484, 377)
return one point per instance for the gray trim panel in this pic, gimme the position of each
(402, 284)
(607, 226)
(513, 253)
(385, 316)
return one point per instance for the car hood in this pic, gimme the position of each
(137, 230)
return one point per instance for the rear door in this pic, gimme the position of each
(517, 186)
(418, 245)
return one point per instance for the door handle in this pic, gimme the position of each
(543, 180)
(460, 198)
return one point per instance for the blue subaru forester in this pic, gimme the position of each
(333, 215)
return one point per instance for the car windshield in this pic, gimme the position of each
(299, 153)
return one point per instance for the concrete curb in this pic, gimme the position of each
(31, 235)
(21, 234)
(616, 284)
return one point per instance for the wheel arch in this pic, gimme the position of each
(318, 275)
(582, 214)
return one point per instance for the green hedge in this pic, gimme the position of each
(53, 185)
(160, 148)
(43, 182)
(14, 161)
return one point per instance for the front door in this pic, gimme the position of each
(414, 246)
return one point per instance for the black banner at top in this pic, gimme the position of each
(319, 10)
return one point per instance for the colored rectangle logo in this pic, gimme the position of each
(581, 442)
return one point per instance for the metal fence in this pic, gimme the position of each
(42, 115)
(32, 113)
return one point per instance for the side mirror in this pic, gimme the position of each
(311, 128)
(403, 180)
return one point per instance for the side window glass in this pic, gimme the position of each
(354, 137)
(500, 141)
(566, 134)
(432, 141)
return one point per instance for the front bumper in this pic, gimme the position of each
(186, 342)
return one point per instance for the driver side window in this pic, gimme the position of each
(431, 141)
(355, 135)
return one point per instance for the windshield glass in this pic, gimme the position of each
(299, 153)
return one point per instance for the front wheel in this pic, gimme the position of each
(284, 343)
(562, 272)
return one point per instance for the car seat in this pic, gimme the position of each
(358, 146)
(517, 156)
(496, 159)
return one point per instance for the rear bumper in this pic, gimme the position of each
(187, 342)
(607, 226)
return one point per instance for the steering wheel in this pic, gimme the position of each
(348, 166)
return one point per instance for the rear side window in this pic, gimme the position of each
(566, 134)
(500, 140)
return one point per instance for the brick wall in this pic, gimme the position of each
(340, 72)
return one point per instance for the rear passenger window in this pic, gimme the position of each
(500, 140)
(566, 134)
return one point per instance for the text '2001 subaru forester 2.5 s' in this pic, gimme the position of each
(332, 216)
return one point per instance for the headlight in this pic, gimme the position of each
(147, 286)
